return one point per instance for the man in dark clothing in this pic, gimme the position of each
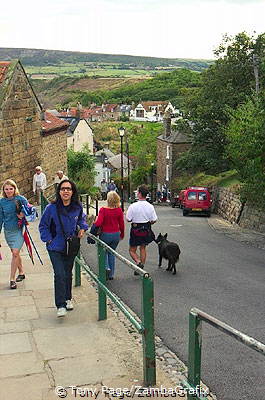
(112, 186)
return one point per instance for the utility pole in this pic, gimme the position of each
(256, 71)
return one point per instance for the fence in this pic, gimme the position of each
(44, 198)
(196, 317)
(144, 326)
(86, 200)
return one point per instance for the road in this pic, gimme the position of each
(217, 274)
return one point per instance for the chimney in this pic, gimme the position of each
(79, 110)
(42, 115)
(167, 124)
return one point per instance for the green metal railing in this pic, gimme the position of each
(146, 325)
(44, 199)
(86, 200)
(196, 317)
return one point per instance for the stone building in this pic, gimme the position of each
(53, 145)
(169, 146)
(27, 137)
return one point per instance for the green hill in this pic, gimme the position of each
(40, 57)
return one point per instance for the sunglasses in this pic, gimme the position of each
(65, 189)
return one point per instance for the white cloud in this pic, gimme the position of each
(168, 28)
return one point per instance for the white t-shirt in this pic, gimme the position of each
(140, 212)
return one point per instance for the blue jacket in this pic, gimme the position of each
(50, 227)
(8, 213)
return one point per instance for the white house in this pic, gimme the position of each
(152, 111)
(101, 166)
(78, 134)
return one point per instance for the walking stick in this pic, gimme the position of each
(33, 244)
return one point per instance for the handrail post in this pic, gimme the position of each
(102, 298)
(148, 336)
(87, 205)
(42, 202)
(96, 206)
(77, 271)
(195, 342)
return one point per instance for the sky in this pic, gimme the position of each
(156, 28)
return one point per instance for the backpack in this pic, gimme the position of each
(30, 212)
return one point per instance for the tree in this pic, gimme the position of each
(226, 84)
(245, 133)
(81, 169)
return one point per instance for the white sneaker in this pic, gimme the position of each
(61, 312)
(69, 305)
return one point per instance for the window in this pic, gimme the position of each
(192, 196)
(168, 150)
(202, 196)
(167, 172)
(140, 113)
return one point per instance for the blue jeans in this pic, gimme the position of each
(62, 267)
(111, 239)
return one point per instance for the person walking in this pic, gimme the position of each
(59, 177)
(110, 220)
(103, 189)
(141, 215)
(112, 187)
(10, 214)
(63, 219)
(39, 183)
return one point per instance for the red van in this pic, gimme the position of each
(197, 199)
(181, 198)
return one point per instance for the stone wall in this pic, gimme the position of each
(175, 150)
(228, 205)
(54, 157)
(22, 144)
(20, 140)
(252, 219)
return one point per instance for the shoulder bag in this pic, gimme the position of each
(73, 242)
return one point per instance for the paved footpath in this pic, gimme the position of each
(40, 352)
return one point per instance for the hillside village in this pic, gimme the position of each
(35, 136)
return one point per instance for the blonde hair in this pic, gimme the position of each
(113, 199)
(11, 183)
(38, 168)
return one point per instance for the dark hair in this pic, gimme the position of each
(74, 198)
(143, 190)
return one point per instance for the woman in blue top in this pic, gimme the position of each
(51, 232)
(9, 218)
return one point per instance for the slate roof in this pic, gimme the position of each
(107, 152)
(52, 123)
(115, 161)
(176, 137)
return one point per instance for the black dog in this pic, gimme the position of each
(168, 250)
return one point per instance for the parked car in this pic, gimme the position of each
(135, 198)
(197, 200)
(175, 201)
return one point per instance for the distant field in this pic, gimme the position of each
(79, 69)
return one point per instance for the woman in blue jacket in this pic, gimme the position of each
(9, 218)
(55, 232)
